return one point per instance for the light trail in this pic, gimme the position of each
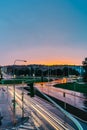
(46, 115)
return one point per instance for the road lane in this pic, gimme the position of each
(75, 99)
(34, 104)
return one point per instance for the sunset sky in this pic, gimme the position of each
(43, 31)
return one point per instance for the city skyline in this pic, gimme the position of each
(43, 31)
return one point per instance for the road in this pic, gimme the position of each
(50, 116)
(33, 104)
(70, 97)
(44, 115)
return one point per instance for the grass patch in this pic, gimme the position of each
(19, 81)
(82, 88)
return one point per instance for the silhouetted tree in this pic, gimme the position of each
(70, 71)
(59, 72)
(85, 68)
(38, 72)
(73, 72)
(65, 71)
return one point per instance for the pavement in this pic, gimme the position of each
(6, 113)
(5, 108)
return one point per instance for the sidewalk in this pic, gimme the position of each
(6, 109)
(7, 114)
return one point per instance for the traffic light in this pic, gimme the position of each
(31, 88)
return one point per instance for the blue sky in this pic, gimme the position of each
(43, 31)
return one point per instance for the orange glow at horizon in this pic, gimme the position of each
(49, 61)
(68, 62)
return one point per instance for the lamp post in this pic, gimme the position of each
(14, 110)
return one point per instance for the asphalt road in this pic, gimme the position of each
(44, 115)
(29, 105)
(73, 98)
(51, 116)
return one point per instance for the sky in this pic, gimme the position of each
(43, 31)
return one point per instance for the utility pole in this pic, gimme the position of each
(22, 100)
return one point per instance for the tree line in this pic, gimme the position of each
(41, 72)
(85, 70)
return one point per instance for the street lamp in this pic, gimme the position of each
(18, 61)
(14, 110)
